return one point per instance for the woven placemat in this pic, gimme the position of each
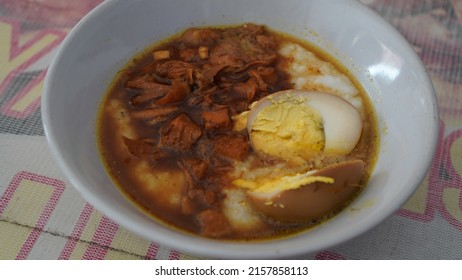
(42, 217)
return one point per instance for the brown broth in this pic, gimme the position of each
(160, 158)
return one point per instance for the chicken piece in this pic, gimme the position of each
(188, 54)
(154, 113)
(177, 92)
(265, 77)
(176, 70)
(246, 90)
(217, 119)
(149, 94)
(196, 37)
(195, 167)
(180, 133)
(233, 147)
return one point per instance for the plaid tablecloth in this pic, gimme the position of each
(43, 217)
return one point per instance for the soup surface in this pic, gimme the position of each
(186, 136)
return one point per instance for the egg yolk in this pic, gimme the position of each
(288, 129)
(290, 182)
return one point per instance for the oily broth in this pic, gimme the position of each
(144, 184)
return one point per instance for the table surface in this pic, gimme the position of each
(43, 217)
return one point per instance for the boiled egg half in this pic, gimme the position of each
(296, 126)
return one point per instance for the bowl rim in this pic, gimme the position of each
(231, 249)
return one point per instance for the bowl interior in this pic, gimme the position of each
(377, 55)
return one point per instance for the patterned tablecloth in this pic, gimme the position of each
(43, 217)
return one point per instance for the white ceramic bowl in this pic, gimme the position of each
(376, 53)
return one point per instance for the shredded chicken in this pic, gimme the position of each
(183, 100)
